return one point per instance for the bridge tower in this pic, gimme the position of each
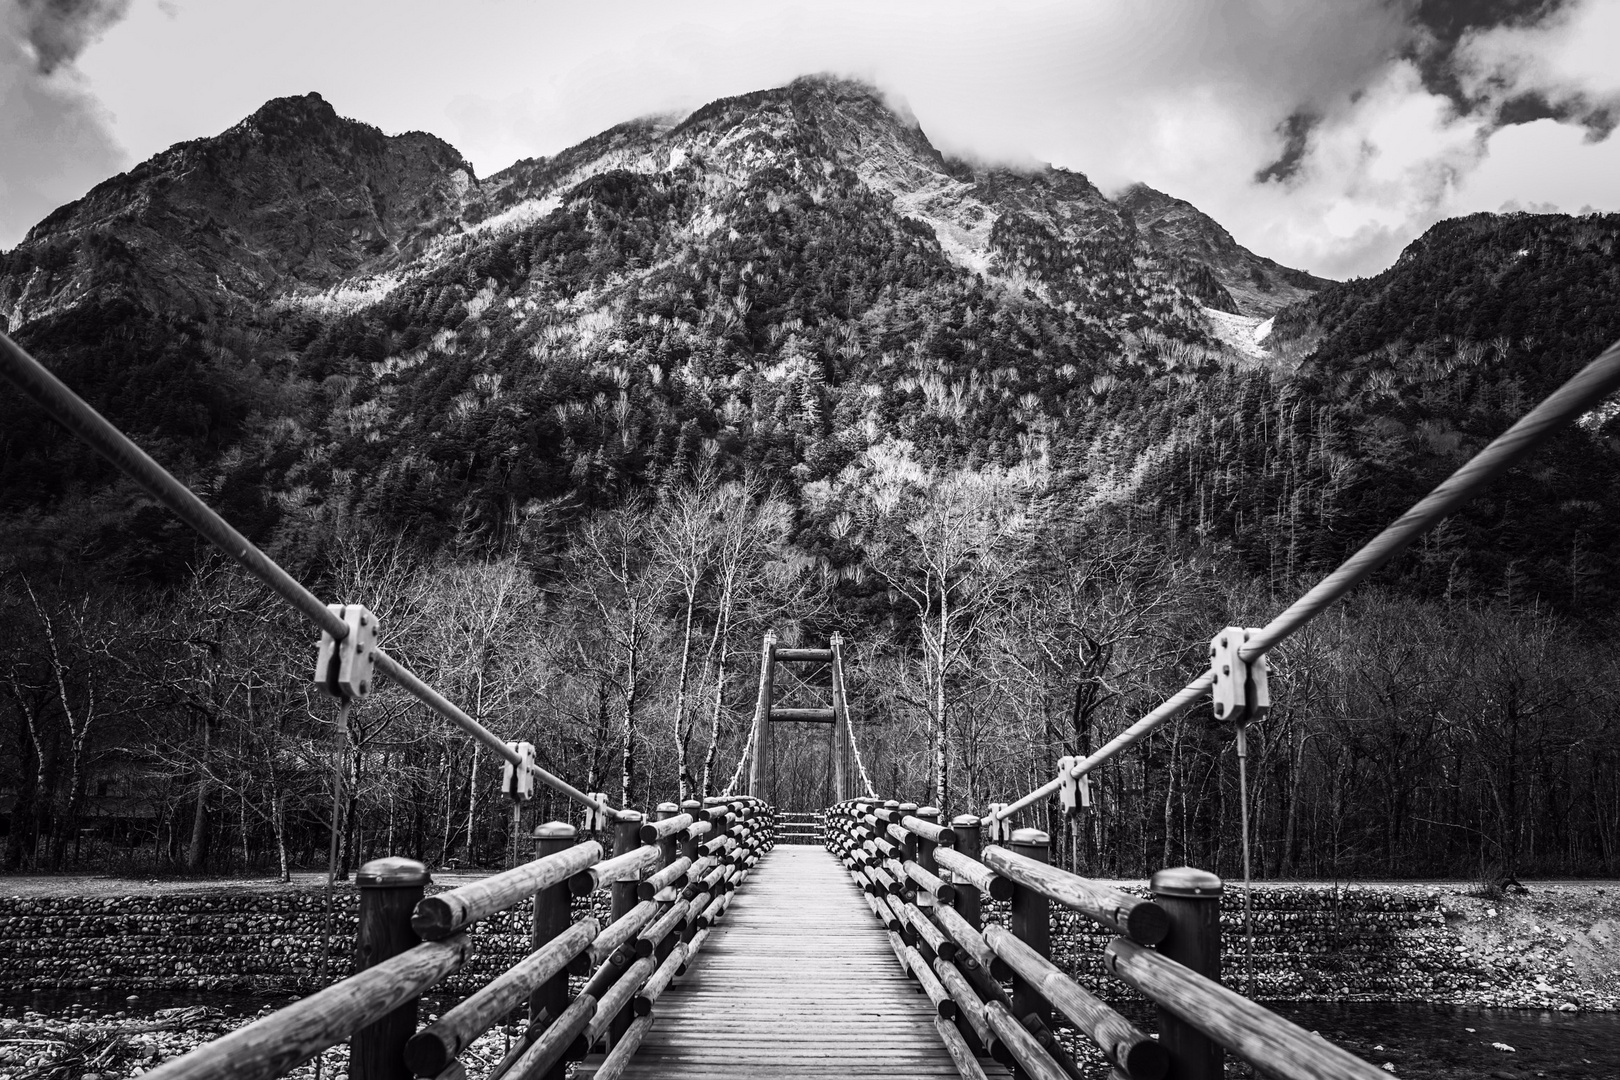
(835, 715)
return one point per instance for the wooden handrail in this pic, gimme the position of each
(291, 1036)
(654, 831)
(626, 867)
(673, 874)
(432, 1049)
(437, 917)
(1251, 1031)
(930, 830)
(1118, 1038)
(1031, 1057)
(974, 873)
(1137, 918)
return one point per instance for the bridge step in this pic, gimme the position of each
(797, 981)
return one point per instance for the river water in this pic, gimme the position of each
(1435, 1041)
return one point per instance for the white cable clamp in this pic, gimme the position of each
(1000, 827)
(517, 781)
(1068, 786)
(1240, 694)
(1085, 788)
(595, 817)
(343, 668)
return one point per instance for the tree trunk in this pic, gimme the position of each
(724, 632)
(683, 731)
(472, 800)
(197, 849)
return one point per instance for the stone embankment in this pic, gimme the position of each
(1554, 947)
(267, 943)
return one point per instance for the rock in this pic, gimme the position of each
(1504, 1047)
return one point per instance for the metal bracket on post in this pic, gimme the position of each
(1241, 694)
(1070, 787)
(595, 819)
(517, 781)
(343, 668)
(1000, 828)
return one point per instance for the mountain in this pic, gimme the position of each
(290, 198)
(320, 325)
(1257, 285)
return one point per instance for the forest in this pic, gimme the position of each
(578, 465)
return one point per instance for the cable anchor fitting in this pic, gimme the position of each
(517, 781)
(1241, 694)
(596, 818)
(343, 668)
(1000, 828)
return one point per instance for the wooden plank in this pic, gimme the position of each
(797, 980)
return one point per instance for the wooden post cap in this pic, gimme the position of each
(555, 830)
(669, 808)
(393, 872)
(1032, 838)
(965, 821)
(931, 813)
(907, 808)
(690, 805)
(1185, 881)
(626, 816)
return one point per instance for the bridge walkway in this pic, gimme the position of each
(798, 981)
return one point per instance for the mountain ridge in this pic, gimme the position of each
(326, 324)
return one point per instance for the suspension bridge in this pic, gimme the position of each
(871, 939)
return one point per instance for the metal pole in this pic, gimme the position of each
(1192, 900)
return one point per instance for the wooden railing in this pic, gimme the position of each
(670, 880)
(996, 988)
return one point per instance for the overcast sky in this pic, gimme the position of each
(1323, 133)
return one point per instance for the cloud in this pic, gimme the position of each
(59, 30)
(1323, 133)
(56, 134)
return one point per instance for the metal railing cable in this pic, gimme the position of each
(75, 414)
(1581, 393)
(742, 762)
(860, 766)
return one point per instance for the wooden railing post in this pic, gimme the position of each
(626, 838)
(669, 847)
(689, 849)
(969, 839)
(552, 916)
(925, 847)
(908, 809)
(1192, 900)
(389, 891)
(1031, 923)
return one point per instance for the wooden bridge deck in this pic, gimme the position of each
(797, 980)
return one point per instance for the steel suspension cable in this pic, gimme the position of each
(1581, 393)
(75, 414)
